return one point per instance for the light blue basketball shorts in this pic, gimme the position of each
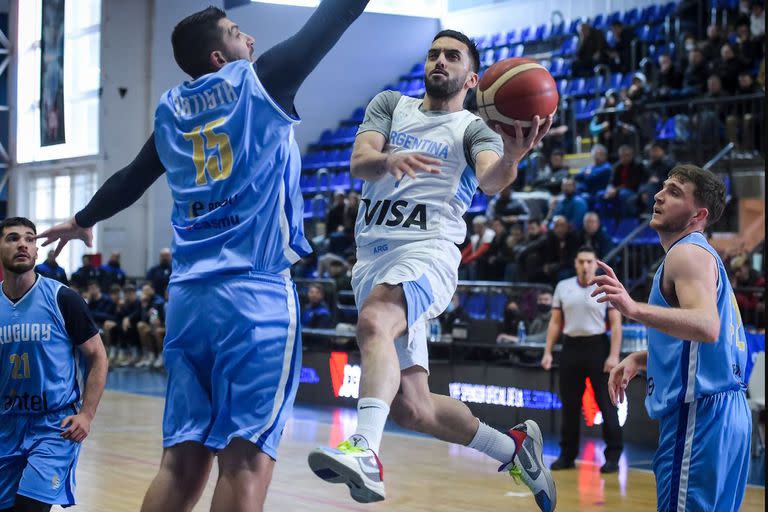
(34, 459)
(702, 463)
(233, 354)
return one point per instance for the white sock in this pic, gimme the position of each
(371, 415)
(493, 443)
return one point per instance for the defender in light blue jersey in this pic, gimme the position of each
(48, 342)
(696, 353)
(232, 349)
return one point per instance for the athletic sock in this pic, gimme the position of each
(493, 443)
(371, 415)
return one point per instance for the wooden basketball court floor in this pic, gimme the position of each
(120, 458)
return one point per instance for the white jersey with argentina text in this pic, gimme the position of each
(233, 168)
(681, 371)
(432, 205)
(40, 368)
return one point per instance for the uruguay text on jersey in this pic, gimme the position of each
(25, 332)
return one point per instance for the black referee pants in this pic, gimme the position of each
(582, 358)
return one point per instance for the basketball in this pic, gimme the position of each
(516, 90)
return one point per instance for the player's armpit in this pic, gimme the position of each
(695, 284)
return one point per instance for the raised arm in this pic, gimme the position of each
(284, 67)
(495, 173)
(695, 317)
(119, 192)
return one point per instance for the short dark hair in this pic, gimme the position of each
(474, 55)
(708, 191)
(17, 221)
(130, 287)
(586, 248)
(93, 282)
(195, 37)
(115, 288)
(661, 144)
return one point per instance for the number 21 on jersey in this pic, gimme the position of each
(218, 164)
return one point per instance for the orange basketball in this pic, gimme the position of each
(516, 90)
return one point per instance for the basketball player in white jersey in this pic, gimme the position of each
(422, 161)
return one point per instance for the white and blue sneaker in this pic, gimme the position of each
(356, 466)
(527, 465)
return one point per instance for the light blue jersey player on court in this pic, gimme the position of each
(48, 344)
(225, 142)
(696, 353)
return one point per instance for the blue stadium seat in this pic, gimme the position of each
(610, 38)
(650, 14)
(556, 67)
(502, 53)
(645, 34)
(631, 17)
(546, 64)
(318, 207)
(668, 9)
(562, 85)
(341, 181)
(599, 22)
(497, 304)
(614, 16)
(615, 81)
(573, 26)
(568, 47)
(417, 71)
(323, 182)
(512, 37)
(308, 183)
(357, 184)
(525, 34)
(486, 59)
(517, 51)
(481, 42)
(357, 116)
(557, 30)
(347, 313)
(576, 87)
(626, 81)
(476, 306)
(580, 109)
(665, 130)
(497, 40)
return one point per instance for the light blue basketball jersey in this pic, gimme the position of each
(233, 168)
(39, 366)
(681, 371)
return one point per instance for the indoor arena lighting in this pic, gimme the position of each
(423, 8)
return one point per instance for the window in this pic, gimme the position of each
(54, 197)
(82, 70)
(424, 8)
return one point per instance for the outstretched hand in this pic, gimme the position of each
(613, 291)
(64, 232)
(517, 146)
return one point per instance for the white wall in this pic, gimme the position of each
(502, 17)
(125, 121)
(373, 51)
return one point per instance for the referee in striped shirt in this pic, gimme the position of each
(587, 352)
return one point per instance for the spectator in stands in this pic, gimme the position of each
(111, 334)
(514, 245)
(316, 313)
(658, 167)
(669, 78)
(728, 68)
(85, 274)
(551, 258)
(129, 314)
(595, 236)
(695, 75)
(587, 352)
(744, 276)
(592, 51)
(50, 269)
(338, 270)
(508, 208)
(335, 219)
(474, 251)
(149, 327)
(597, 176)
(111, 273)
(757, 19)
(540, 322)
(101, 306)
(714, 87)
(571, 205)
(493, 269)
(160, 274)
(512, 319)
(350, 212)
(749, 48)
(550, 176)
(454, 314)
(620, 55)
(628, 175)
(712, 44)
(746, 84)
(609, 127)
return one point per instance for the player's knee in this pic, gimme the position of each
(187, 466)
(370, 325)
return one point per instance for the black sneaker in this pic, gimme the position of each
(562, 463)
(609, 467)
